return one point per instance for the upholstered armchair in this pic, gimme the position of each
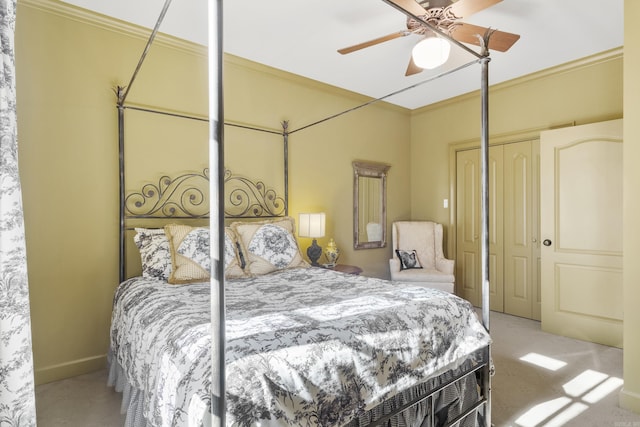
(418, 257)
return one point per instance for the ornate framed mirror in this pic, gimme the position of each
(369, 205)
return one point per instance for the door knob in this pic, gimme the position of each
(546, 242)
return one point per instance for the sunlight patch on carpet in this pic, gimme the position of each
(584, 382)
(541, 412)
(587, 388)
(543, 361)
(567, 415)
(607, 387)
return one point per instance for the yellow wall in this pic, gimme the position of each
(68, 63)
(630, 395)
(67, 141)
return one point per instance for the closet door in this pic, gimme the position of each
(521, 246)
(535, 218)
(468, 227)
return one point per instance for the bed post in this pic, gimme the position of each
(216, 201)
(122, 92)
(285, 141)
(484, 167)
(119, 92)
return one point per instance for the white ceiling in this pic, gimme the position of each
(302, 36)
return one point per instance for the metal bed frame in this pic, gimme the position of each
(182, 196)
(216, 215)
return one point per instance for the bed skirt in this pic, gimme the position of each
(132, 398)
(448, 403)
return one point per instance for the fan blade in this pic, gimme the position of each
(410, 6)
(464, 8)
(499, 40)
(373, 42)
(412, 68)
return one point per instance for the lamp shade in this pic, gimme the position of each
(431, 52)
(311, 225)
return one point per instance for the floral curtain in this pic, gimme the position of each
(17, 397)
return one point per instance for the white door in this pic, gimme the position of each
(581, 230)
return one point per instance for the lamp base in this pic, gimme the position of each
(314, 252)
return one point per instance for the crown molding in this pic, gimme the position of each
(588, 61)
(89, 17)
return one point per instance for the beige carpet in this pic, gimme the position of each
(547, 380)
(581, 391)
(83, 401)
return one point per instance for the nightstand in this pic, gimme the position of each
(349, 269)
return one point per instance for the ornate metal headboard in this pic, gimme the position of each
(245, 198)
(187, 196)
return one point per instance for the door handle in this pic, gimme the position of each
(546, 242)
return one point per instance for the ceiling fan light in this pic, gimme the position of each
(431, 52)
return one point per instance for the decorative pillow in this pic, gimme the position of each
(191, 257)
(155, 253)
(269, 245)
(408, 259)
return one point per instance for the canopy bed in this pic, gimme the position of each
(222, 326)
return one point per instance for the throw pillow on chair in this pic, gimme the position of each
(408, 259)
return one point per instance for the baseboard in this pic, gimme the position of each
(629, 400)
(70, 369)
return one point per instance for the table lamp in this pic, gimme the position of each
(312, 225)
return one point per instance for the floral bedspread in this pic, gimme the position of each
(304, 346)
(161, 341)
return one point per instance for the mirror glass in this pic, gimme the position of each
(369, 205)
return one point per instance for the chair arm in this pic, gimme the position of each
(394, 265)
(445, 265)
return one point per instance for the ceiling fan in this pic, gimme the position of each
(445, 15)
